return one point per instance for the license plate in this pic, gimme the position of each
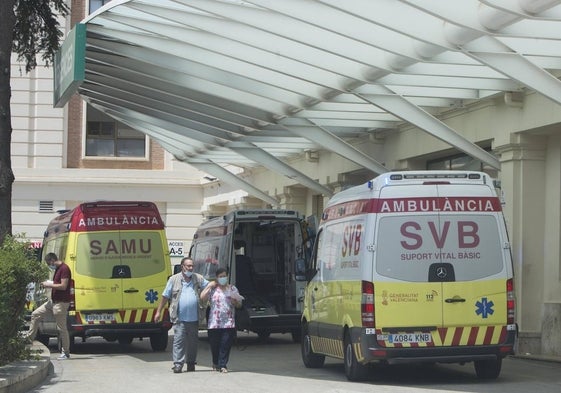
(102, 317)
(407, 338)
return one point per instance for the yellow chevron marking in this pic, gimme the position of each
(496, 335)
(465, 336)
(358, 352)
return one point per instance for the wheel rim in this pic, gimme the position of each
(348, 355)
(307, 345)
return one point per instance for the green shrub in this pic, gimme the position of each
(19, 266)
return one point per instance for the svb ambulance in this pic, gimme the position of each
(118, 254)
(410, 267)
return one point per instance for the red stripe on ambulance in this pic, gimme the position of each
(412, 205)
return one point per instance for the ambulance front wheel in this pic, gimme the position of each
(488, 369)
(159, 341)
(353, 369)
(309, 357)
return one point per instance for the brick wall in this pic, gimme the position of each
(75, 128)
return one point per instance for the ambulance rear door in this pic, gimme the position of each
(474, 253)
(406, 246)
(97, 276)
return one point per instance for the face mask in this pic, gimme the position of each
(52, 267)
(222, 280)
(188, 273)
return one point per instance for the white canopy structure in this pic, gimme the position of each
(252, 83)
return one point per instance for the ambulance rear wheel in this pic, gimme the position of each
(309, 357)
(353, 369)
(488, 369)
(159, 341)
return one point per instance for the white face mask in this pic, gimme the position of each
(188, 273)
(222, 280)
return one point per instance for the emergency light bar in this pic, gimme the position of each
(472, 176)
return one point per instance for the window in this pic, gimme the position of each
(99, 252)
(462, 162)
(104, 139)
(470, 243)
(96, 4)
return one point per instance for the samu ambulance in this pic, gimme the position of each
(118, 255)
(412, 266)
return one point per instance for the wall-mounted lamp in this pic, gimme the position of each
(514, 99)
(312, 156)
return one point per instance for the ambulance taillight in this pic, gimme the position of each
(72, 306)
(510, 303)
(367, 304)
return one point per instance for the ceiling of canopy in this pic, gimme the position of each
(252, 83)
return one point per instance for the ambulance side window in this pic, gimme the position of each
(329, 251)
(313, 269)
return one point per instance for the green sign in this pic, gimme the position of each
(70, 65)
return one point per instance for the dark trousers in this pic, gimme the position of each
(221, 341)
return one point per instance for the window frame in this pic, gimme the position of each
(85, 157)
(103, 3)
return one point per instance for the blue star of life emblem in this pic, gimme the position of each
(484, 307)
(151, 296)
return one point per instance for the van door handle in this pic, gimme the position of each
(132, 290)
(455, 300)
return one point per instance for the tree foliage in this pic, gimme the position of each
(19, 266)
(36, 30)
(28, 28)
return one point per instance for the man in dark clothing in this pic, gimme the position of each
(58, 305)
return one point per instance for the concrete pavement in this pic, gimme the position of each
(22, 376)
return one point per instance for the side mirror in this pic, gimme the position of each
(310, 273)
(300, 269)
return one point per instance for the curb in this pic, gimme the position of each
(543, 358)
(23, 375)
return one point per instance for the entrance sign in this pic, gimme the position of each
(176, 248)
(69, 65)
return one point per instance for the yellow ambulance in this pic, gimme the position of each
(412, 266)
(117, 252)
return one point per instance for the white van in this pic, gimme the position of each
(266, 253)
(412, 266)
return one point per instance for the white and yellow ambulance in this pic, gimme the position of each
(412, 266)
(117, 253)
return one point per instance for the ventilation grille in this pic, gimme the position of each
(46, 206)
